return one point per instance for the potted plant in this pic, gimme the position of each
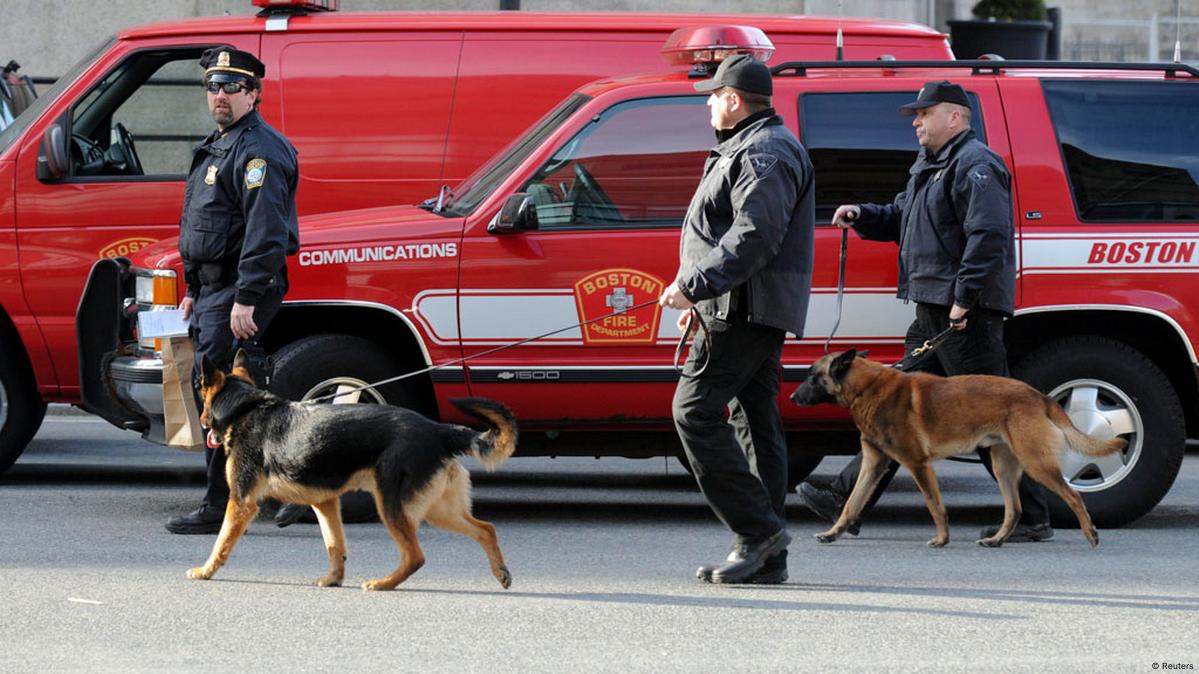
(1010, 28)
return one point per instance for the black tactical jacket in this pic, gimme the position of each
(750, 225)
(239, 210)
(953, 224)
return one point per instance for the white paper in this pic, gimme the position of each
(161, 323)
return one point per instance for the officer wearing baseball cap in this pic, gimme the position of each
(745, 265)
(953, 224)
(237, 229)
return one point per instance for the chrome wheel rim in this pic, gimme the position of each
(1102, 410)
(345, 386)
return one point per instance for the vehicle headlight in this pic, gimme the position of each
(156, 287)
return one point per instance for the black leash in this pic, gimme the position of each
(682, 340)
(840, 286)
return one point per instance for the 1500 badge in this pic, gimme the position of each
(613, 291)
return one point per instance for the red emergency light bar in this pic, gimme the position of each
(704, 47)
(311, 5)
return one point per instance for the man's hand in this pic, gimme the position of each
(684, 322)
(846, 215)
(957, 317)
(241, 320)
(187, 305)
(674, 298)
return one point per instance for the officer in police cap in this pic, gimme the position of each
(237, 229)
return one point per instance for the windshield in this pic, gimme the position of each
(467, 196)
(43, 101)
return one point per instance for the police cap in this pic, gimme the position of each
(222, 64)
(933, 93)
(742, 72)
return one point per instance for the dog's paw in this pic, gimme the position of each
(826, 536)
(329, 581)
(378, 586)
(199, 573)
(937, 542)
(505, 577)
(993, 542)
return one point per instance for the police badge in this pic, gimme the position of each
(210, 179)
(255, 173)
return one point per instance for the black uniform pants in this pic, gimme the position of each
(978, 349)
(740, 462)
(213, 337)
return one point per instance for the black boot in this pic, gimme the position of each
(748, 559)
(289, 513)
(827, 505)
(773, 572)
(203, 520)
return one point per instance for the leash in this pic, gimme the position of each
(840, 286)
(682, 340)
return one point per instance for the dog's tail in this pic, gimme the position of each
(495, 445)
(1079, 441)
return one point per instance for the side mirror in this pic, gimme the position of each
(519, 213)
(53, 159)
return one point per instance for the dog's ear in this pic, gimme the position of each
(208, 371)
(864, 353)
(241, 360)
(841, 364)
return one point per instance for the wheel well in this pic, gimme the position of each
(1150, 335)
(12, 346)
(382, 327)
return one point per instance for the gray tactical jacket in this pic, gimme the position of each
(751, 223)
(953, 225)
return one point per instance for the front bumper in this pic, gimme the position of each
(115, 382)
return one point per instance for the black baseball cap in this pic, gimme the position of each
(223, 64)
(933, 93)
(742, 72)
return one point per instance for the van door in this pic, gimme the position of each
(609, 203)
(130, 134)
(368, 116)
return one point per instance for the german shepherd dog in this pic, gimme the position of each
(918, 418)
(312, 454)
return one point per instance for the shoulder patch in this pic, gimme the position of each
(980, 176)
(255, 173)
(762, 164)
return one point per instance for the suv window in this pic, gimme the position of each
(1131, 149)
(143, 118)
(635, 165)
(861, 147)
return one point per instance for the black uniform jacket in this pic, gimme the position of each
(953, 224)
(239, 210)
(751, 224)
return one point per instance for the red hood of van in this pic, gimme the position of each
(393, 224)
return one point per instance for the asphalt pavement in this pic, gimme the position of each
(603, 554)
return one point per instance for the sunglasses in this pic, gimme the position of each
(228, 87)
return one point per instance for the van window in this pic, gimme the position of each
(142, 119)
(635, 165)
(861, 147)
(1131, 149)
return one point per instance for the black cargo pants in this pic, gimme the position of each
(978, 349)
(740, 463)
(212, 336)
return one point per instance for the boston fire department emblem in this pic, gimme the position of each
(615, 291)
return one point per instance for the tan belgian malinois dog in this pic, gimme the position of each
(918, 418)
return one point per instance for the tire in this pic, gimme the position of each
(319, 365)
(1109, 388)
(21, 409)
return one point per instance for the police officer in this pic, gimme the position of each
(746, 266)
(238, 226)
(957, 261)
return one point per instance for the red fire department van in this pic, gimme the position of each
(580, 215)
(384, 108)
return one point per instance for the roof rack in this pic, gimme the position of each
(982, 67)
